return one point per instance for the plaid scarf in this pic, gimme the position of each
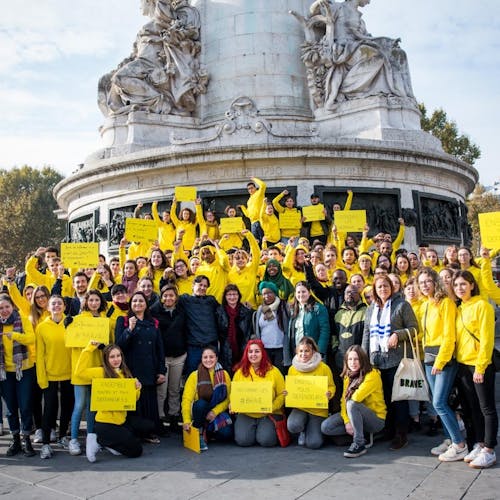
(19, 351)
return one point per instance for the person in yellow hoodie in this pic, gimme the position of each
(166, 228)
(17, 375)
(269, 223)
(187, 223)
(257, 191)
(53, 373)
(120, 432)
(362, 404)
(437, 316)
(205, 400)
(290, 209)
(307, 421)
(258, 428)
(476, 373)
(215, 266)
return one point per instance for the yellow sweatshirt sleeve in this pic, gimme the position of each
(279, 387)
(21, 303)
(276, 203)
(448, 314)
(189, 397)
(84, 368)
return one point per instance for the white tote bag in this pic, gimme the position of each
(410, 381)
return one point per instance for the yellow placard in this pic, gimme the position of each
(314, 212)
(489, 226)
(78, 255)
(290, 220)
(113, 394)
(306, 392)
(191, 439)
(251, 397)
(185, 193)
(83, 329)
(229, 225)
(350, 221)
(141, 230)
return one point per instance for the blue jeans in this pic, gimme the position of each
(17, 395)
(82, 401)
(440, 386)
(200, 411)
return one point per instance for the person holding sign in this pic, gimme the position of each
(255, 367)
(362, 404)
(118, 431)
(307, 421)
(269, 223)
(288, 210)
(318, 228)
(476, 372)
(94, 306)
(205, 400)
(53, 373)
(139, 337)
(188, 222)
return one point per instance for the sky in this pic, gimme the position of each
(53, 52)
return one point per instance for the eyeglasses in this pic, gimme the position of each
(426, 282)
(42, 296)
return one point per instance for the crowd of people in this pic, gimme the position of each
(199, 310)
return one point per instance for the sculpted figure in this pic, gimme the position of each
(163, 74)
(346, 62)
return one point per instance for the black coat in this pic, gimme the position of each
(172, 326)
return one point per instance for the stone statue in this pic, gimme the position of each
(163, 74)
(344, 61)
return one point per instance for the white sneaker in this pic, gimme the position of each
(454, 454)
(484, 460)
(302, 439)
(74, 447)
(473, 454)
(91, 447)
(38, 437)
(46, 451)
(441, 448)
(53, 436)
(63, 443)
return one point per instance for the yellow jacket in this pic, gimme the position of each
(321, 370)
(86, 371)
(33, 275)
(166, 232)
(270, 225)
(478, 317)
(27, 339)
(370, 393)
(255, 200)
(274, 376)
(53, 358)
(487, 279)
(190, 395)
(438, 322)
(289, 271)
(286, 233)
(187, 226)
(216, 272)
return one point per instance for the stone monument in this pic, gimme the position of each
(295, 92)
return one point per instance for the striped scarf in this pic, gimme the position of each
(19, 351)
(380, 329)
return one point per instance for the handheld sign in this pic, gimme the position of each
(489, 226)
(290, 220)
(313, 212)
(191, 439)
(80, 255)
(350, 221)
(83, 329)
(141, 230)
(185, 193)
(229, 225)
(306, 391)
(252, 397)
(113, 394)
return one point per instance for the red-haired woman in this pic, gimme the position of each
(258, 428)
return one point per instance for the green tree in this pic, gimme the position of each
(28, 220)
(480, 202)
(446, 131)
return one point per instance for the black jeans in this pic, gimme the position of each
(478, 402)
(398, 412)
(51, 408)
(125, 438)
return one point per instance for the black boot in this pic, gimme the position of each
(15, 446)
(26, 445)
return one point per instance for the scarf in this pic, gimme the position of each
(19, 351)
(285, 288)
(268, 311)
(130, 283)
(232, 332)
(122, 307)
(215, 393)
(308, 366)
(355, 380)
(380, 329)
